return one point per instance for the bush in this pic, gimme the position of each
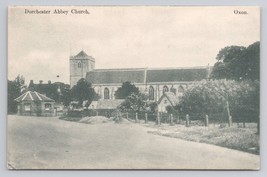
(74, 113)
(237, 99)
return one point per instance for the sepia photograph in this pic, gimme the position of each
(133, 87)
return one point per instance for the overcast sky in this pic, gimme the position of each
(39, 46)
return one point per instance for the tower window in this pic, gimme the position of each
(79, 65)
(151, 93)
(106, 93)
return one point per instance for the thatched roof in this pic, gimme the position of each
(33, 96)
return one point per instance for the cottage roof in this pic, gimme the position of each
(146, 75)
(107, 104)
(33, 96)
(173, 99)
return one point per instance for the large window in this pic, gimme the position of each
(47, 107)
(165, 89)
(27, 107)
(106, 93)
(151, 93)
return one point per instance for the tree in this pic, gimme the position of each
(252, 61)
(152, 107)
(239, 99)
(125, 90)
(200, 98)
(15, 88)
(66, 97)
(83, 91)
(238, 63)
(134, 102)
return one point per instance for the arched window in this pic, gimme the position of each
(151, 93)
(106, 93)
(181, 89)
(173, 90)
(165, 89)
(79, 65)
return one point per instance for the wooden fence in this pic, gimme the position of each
(189, 119)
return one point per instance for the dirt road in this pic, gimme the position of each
(50, 143)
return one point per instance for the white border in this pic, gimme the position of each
(40, 173)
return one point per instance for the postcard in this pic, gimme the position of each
(133, 87)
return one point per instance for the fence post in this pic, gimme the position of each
(127, 115)
(146, 117)
(171, 120)
(230, 121)
(187, 120)
(136, 117)
(158, 118)
(207, 120)
(244, 124)
(178, 120)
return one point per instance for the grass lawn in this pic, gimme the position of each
(244, 139)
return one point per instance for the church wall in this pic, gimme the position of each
(158, 89)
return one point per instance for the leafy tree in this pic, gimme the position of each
(134, 102)
(238, 63)
(125, 90)
(66, 97)
(239, 99)
(15, 88)
(252, 61)
(200, 98)
(83, 91)
(152, 107)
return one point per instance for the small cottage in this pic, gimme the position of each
(32, 103)
(167, 99)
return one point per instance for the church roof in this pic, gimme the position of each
(33, 96)
(144, 75)
(103, 76)
(174, 75)
(82, 55)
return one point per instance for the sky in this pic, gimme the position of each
(39, 45)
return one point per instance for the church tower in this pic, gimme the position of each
(80, 64)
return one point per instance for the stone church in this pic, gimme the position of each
(154, 81)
